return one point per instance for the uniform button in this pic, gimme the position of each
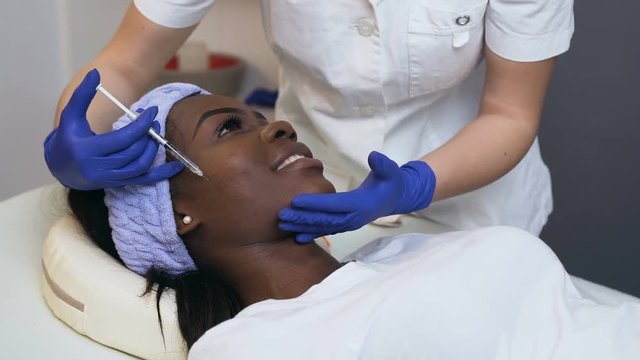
(463, 20)
(367, 110)
(365, 28)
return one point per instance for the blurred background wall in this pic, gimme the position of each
(590, 132)
(590, 139)
(32, 71)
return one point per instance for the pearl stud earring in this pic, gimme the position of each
(187, 220)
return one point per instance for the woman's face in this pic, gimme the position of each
(254, 168)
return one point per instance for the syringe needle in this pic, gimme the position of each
(157, 137)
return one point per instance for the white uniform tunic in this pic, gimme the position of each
(402, 77)
(495, 294)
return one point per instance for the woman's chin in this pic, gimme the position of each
(322, 186)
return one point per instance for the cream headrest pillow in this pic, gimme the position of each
(100, 298)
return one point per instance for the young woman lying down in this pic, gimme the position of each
(246, 290)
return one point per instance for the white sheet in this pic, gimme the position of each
(492, 294)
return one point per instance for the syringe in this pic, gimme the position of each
(175, 153)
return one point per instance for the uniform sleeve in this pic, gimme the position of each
(174, 13)
(529, 30)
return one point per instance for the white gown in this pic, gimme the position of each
(495, 294)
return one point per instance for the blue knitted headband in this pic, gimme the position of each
(141, 216)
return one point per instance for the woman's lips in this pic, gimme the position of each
(293, 153)
(295, 162)
(289, 160)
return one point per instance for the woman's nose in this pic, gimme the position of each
(277, 130)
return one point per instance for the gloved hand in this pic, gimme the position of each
(82, 160)
(387, 190)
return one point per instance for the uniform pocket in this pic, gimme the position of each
(445, 44)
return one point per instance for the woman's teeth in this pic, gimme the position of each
(289, 160)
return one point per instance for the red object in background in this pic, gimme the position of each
(216, 61)
(172, 64)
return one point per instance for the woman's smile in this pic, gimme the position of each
(300, 162)
(296, 155)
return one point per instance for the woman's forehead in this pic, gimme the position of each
(199, 103)
(188, 110)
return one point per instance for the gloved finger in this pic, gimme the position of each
(164, 171)
(338, 202)
(156, 174)
(76, 108)
(306, 238)
(122, 158)
(156, 126)
(139, 165)
(310, 217)
(381, 165)
(124, 137)
(49, 139)
(305, 228)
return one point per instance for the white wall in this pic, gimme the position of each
(44, 42)
(90, 25)
(232, 26)
(31, 76)
(235, 27)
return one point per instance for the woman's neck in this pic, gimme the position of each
(277, 270)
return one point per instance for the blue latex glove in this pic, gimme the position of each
(262, 97)
(82, 160)
(387, 190)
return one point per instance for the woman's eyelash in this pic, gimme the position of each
(231, 123)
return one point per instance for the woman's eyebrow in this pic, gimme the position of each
(207, 114)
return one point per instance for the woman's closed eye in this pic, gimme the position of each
(230, 124)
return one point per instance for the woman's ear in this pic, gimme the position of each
(185, 209)
(185, 223)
